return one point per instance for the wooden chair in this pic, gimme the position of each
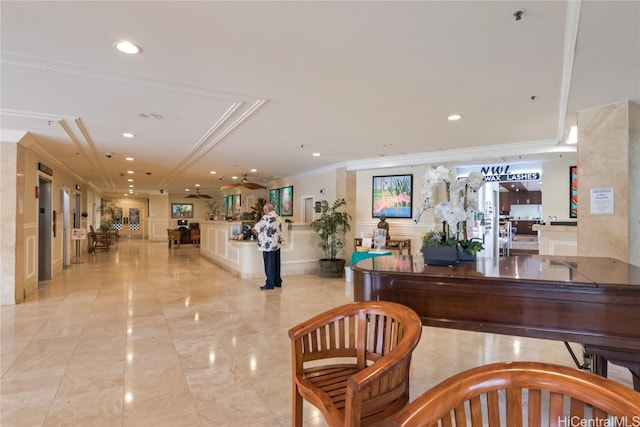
(510, 392)
(174, 236)
(195, 236)
(370, 382)
(99, 240)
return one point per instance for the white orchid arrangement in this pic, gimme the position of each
(461, 200)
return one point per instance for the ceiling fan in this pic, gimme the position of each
(244, 183)
(197, 195)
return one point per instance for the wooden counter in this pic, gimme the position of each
(593, 301)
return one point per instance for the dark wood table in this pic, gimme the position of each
(592, 301)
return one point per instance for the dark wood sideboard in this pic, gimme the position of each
(592, 301)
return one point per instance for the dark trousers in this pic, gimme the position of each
(272, 267)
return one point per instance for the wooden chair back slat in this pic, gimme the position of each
(534, 418)
(514, 407)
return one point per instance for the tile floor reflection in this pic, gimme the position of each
(149, 336)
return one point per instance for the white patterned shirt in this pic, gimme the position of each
(269, 230)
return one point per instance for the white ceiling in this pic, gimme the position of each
(263, 85)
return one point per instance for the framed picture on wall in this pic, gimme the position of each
(392, 195)
(181, 210)
(286, 201)
(237, 203)
(274, 197)
(573, 191)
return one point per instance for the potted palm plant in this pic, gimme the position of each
(331, 227)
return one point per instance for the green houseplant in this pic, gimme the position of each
(106, 211)
(331, 227)
(257, 210)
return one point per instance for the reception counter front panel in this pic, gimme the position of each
(299, 253)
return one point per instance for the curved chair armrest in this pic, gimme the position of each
(381, 368)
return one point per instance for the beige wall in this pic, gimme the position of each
(9, 247)
(555, 189)
(607, 148)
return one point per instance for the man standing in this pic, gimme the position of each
(269, 230)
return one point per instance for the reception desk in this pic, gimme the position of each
(588, 300)
(557, 239)
(299, 253)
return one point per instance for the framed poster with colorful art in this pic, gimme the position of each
(573, 191)
(392, 196)
(181, 210)
(286, 201)
(274, 197)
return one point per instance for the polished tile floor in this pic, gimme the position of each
(149, 336)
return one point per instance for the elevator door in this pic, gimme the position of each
(45, 229)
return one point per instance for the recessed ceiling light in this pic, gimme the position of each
(130, 185)
(128, 47)
(130, 159)
(128, 135)
(212, 172)
(130, 172)
(153, 116)
(316, 154)
(234, 177)
(454, 117)
(130, 179)
(197, 185)
(186, 189)
(254, 170)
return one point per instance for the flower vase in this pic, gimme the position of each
(440, 255)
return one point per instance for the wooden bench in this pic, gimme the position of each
(99, 240)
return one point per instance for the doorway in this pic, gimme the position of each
(308, 210)
(129, 220)
(46, 227)
(65, 229)
(76, 223)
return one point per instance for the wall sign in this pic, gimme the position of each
(44, 168)
(602, 201)
(504, 172)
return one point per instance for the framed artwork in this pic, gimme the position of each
(227, 205)
(392, 195)
(573, 191)
(181, 210)
(117, 215)
(274, 197)
(237, 203)
(286, 201)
